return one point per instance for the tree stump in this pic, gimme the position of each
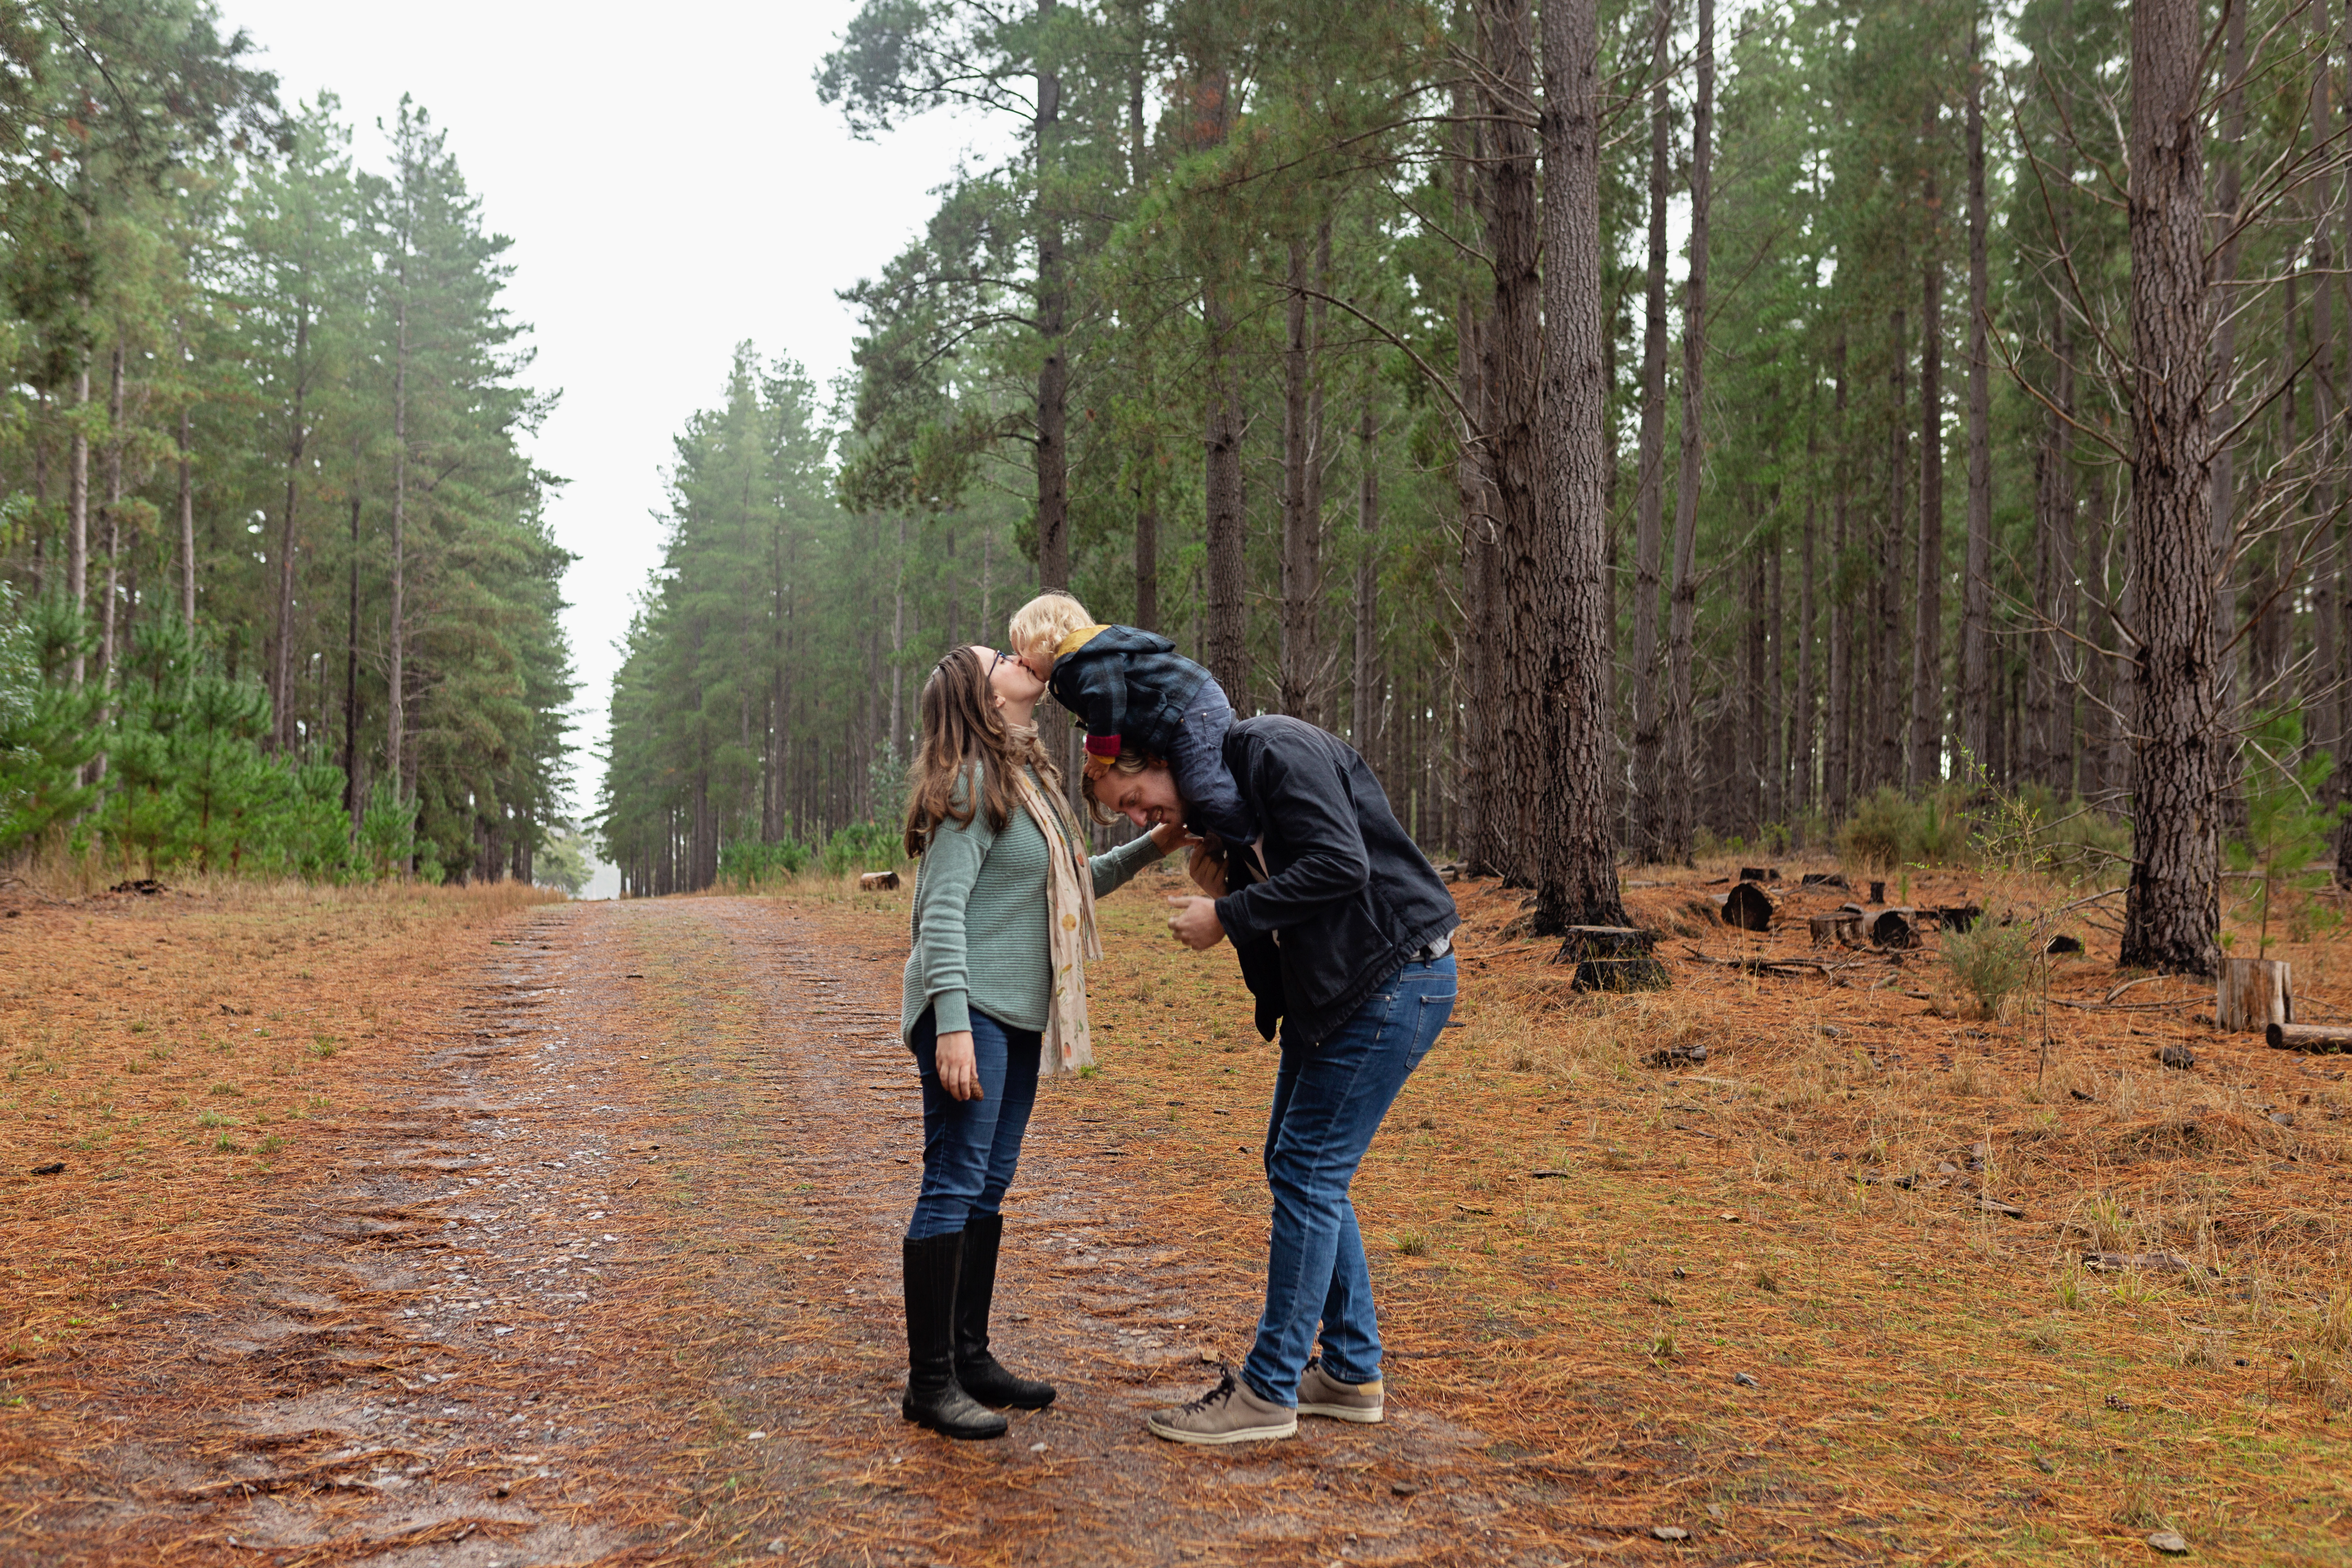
(1896, 927)
(1841, 927)
(2309, 1036)
(1959, 917)
(1823, 879)
(1877, 892)
(1749, 907)
(877, 881)
(1612, 958)
(1759, 873)
(2062, 945)
(2252, 994)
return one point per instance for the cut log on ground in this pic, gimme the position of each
(877, 881)
(1823, 879)
(2061, 945)
(2251, 994)
(1843, 927)
(1612, 958)
(2320, 1037)
(1749, 907)
(1896, 927)
(1759, 873)
(1958, 917)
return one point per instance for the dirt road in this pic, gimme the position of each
(612, 1275)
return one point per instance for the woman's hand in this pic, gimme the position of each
(1170, 836)
(959, 1073)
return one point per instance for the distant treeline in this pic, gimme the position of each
(276, 588)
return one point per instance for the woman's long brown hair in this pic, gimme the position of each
(960, 726)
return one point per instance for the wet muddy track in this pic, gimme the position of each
(612, 1275)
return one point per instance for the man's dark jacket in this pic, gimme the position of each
(1347, 897)
(1127, 685)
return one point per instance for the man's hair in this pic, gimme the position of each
(1130, 762)
(1047, 620)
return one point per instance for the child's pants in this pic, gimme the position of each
(1212, 803)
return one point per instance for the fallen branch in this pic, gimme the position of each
(1783, 968)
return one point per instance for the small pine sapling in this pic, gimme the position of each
(2289, 821)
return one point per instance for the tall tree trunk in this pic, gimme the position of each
(187, 531)
(77, 516)
(397, 762)
(1364, 680)
(1575, 846)
(1927, 749)
(1801, 739)
(2227, 195)
(112, 511)
(1226, 643)
(1053, 310)
(1837, 759)
(2172, 908)
(1650, 806)
(1977, 691)
(1776, 713)
(1147, 544)
(281, 682)
(1514, 349)
(1680, 757)
(1886, 672)
(1302, 529)
(353, 802)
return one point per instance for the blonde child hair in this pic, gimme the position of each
(1039, 626)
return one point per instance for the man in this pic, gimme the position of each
(1342, 930)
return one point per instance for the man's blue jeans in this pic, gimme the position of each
(1328, 1101)
(970, 1146)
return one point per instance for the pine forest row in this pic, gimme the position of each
(275, 591)
(1628, 423)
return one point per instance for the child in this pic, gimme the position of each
(1131, 689)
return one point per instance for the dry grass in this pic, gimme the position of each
(1803, 1210)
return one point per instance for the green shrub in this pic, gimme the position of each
(1991, 962)
(1880, 832)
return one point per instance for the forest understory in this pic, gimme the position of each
(451, 1226)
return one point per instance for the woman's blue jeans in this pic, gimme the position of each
(1328, 1101)
(971, 1146)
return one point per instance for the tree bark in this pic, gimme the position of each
(107, 609)
(1977, 722)
(1926, 764)
(1053, 310)
(2227, 178)
(281, 681)
(1680, 754)
(1575, 852)
(187, 515)
(1886, 669)
(395, 724)
(78, 516)
(1649, 812)
(2172, 907)
(1301, 655)
(1146, 545)
(1513, 374)
(353, 803)
(1837, 756)
(1225, 643)
(1364, 677)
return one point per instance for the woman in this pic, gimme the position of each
(1004, 922)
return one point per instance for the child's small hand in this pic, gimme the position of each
(1097, 766)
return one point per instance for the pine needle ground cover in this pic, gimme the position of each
(639, 1170)
(1586, 1259)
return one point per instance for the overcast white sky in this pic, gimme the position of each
(673, 187)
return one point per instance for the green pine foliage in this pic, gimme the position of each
(2290, 824)
(293, 389)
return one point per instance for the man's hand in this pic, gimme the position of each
(959, 1073)
(1170, 836)
(1196, 923)
(1207, 871)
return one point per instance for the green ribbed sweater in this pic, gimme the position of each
(978, 939)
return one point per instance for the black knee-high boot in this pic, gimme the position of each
(934, 1398)
(977, 1370)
